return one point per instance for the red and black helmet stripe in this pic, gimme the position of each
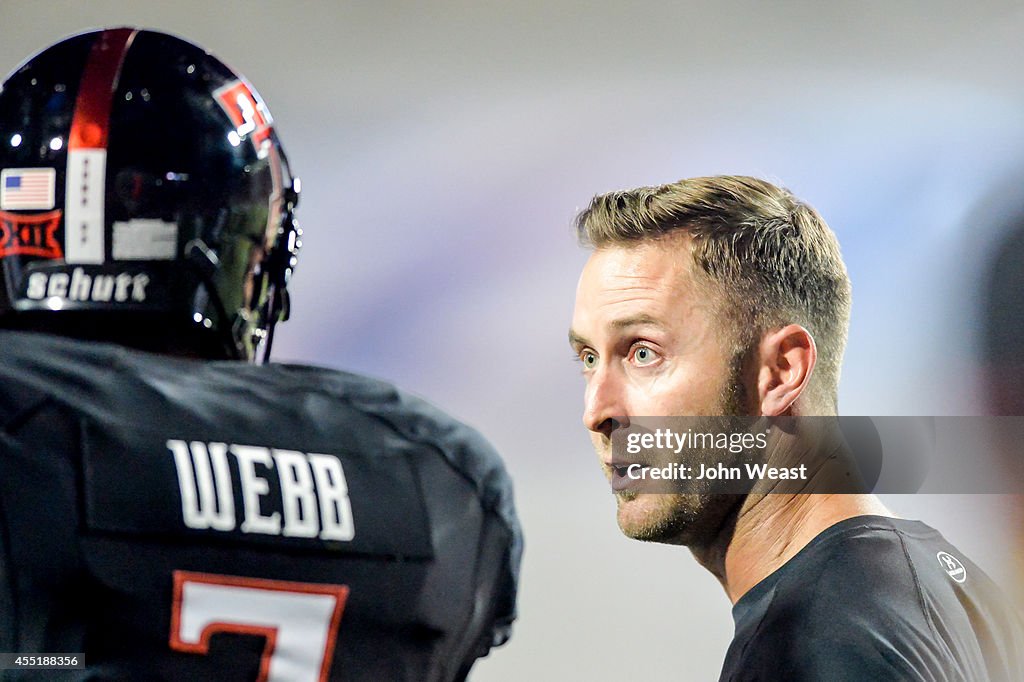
(90, 125)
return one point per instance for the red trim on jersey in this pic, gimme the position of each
(90, 125)
(339, 592)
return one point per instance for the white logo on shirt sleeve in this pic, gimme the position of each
(952, 566)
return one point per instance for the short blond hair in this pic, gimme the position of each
(773, 258)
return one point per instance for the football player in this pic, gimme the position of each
(168, 509)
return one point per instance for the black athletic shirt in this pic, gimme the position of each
(875, 598)
(185, 520)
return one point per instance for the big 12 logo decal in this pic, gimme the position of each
(30, 235)
(247, 112)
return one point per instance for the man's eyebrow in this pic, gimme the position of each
(638, 320)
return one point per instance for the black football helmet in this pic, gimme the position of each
(144, 198)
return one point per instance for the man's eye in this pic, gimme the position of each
(588, 359)
(642, 355)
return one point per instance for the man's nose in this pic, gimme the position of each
(604, 408)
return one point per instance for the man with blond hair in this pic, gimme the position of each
(728, 296)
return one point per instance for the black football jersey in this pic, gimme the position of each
(179, 519)
(876, 598)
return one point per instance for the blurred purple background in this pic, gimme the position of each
(445, 147)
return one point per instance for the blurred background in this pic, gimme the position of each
(445, 147)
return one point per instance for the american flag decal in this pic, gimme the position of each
(27, 188)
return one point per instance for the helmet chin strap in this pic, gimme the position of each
(205, 263)
(277, 309)
(274, 273)
(278, 267)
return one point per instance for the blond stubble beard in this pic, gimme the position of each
(690, 519)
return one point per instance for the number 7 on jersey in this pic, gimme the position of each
(299, 620)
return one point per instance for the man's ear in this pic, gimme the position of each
(786, 358)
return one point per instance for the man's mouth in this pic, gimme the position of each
(626, 475)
